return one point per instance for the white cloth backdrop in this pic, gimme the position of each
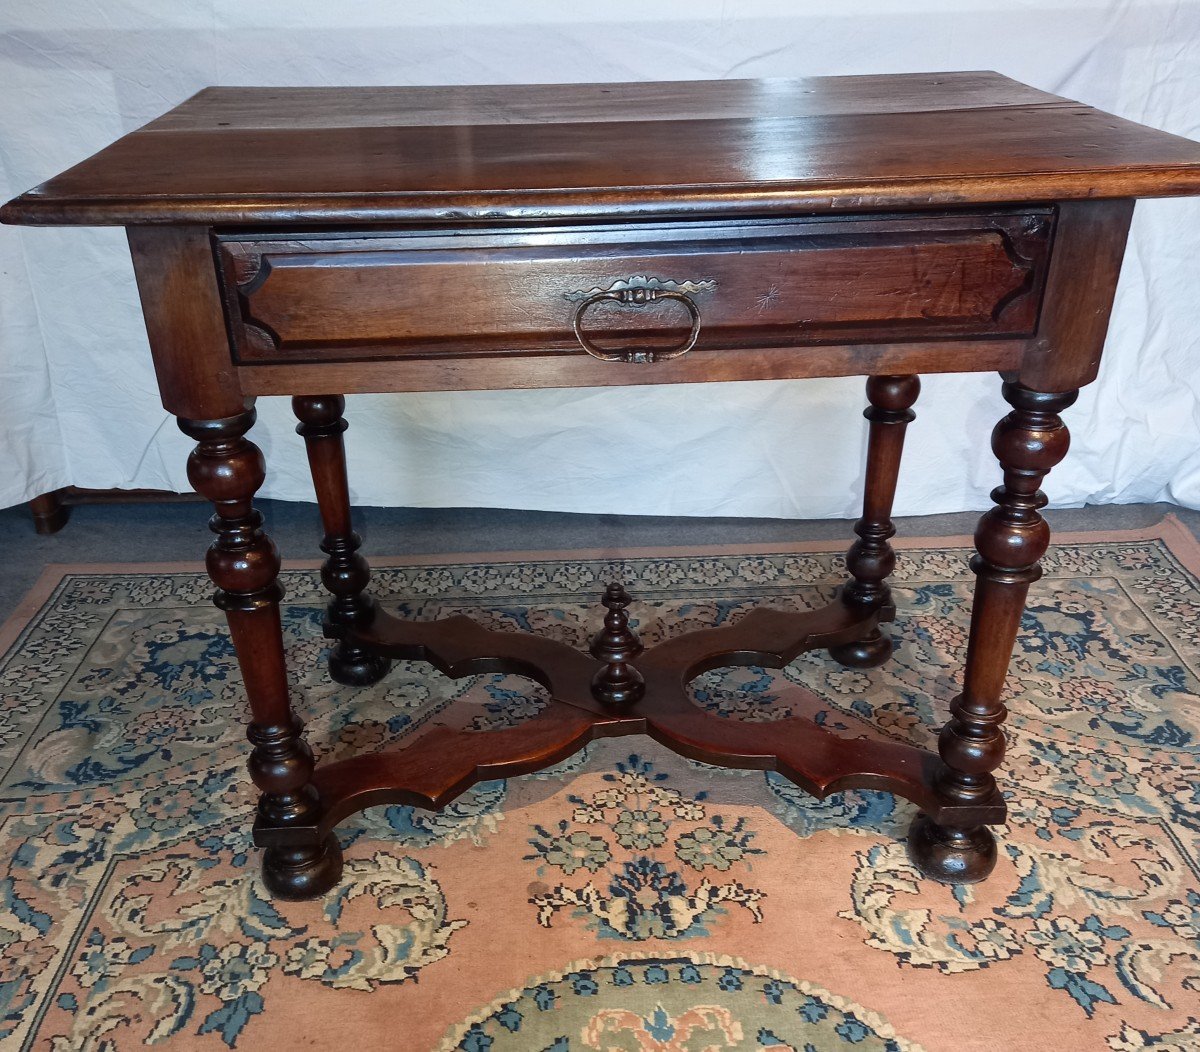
(78, 403)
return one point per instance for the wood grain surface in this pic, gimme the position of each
(447, 239)
(754, 284)
(375, 155)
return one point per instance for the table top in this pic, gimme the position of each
(304, 156)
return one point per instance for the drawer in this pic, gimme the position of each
(634, 293)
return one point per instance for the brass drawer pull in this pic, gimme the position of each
(638, 295)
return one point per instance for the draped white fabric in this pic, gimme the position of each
(78, 402)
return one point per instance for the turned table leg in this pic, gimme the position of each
(871, 559)
(345, 573)
(1010, 540)
(243, 563)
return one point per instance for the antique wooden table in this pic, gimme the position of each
(320, 242)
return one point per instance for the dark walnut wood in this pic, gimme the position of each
(345, 573)
(871, 558)
(617, 682)
(243, 563)
(49, 513)
(271, 156)
(443, 763)
(1010, 540)
(756, 284)
(319, 242)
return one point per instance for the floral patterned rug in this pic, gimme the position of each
(627, 899)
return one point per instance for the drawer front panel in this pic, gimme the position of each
(760, 285)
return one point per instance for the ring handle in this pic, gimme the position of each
(637, 297)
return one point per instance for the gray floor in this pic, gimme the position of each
(177, 531)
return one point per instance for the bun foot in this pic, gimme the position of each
(355, 667)
(951, 856)
(863, 653)
(303, 872)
